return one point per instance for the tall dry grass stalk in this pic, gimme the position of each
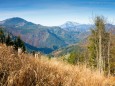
(25, 70)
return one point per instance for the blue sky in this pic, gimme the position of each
(57, 12)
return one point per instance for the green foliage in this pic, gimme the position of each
(8, 40)
(2, 36)
(76, 58)
(68, 49)
(49, 57)
(18, 43)
(101, 53)
(112, 55)
(92, 51)
(72, 58)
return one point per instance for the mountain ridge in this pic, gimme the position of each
(39, 36)
(43, 38)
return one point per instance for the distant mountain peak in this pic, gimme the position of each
(15, 18)
(70, 22)
(74, 26)
(17, 21)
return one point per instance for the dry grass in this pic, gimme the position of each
(24, 70)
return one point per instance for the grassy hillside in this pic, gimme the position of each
(25, 70)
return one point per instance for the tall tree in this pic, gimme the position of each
(99, 43)
(8, 40)
(18, 43)
(2, 36)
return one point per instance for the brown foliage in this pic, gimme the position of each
(25, 70)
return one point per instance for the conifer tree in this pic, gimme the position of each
(8, 40)
(18, 43)
(99, 43)
(2, 36)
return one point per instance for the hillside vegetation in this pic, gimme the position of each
(25, 70)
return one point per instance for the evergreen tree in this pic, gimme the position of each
(18, 43)
(72, 59)
(8, 40)
(23, 47)
(76, 58)
(2, 36)
(98, 47)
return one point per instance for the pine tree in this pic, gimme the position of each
(18, 43)
(2, 36)
(99, 43)
(8, 40)
(73, 58)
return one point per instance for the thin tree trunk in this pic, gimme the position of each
(97, 56)
(109, 54)
(96, 46)
(100, 51)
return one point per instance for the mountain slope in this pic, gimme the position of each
(47, 39)
(39, 36)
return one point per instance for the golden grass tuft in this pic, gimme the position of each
(25, 70)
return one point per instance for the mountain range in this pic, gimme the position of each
(44, 38)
